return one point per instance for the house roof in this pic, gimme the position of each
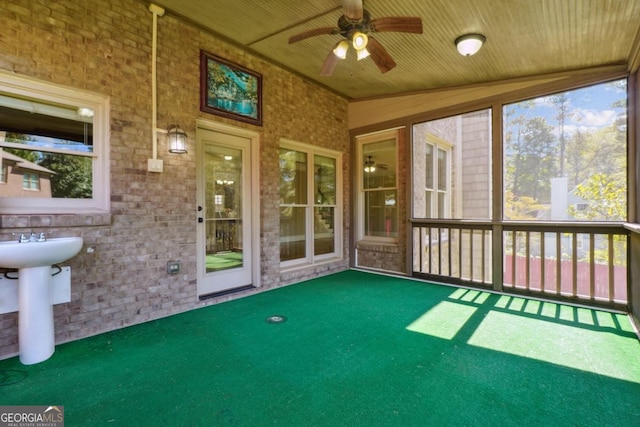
(24, 164)
(524, 38)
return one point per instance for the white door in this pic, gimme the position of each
(225, 252)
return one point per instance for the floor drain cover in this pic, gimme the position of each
(276, 319)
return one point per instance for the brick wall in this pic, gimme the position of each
(105, 47)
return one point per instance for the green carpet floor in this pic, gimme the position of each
(357, 349)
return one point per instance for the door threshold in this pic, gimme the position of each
(226, 292)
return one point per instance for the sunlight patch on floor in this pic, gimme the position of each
(444, 320)
(561, 344)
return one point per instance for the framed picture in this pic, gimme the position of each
(229, 90)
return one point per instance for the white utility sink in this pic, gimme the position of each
(35, 311)
(38, 254)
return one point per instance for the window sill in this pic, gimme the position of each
(305, 265)
(54, 220)
(370, 245)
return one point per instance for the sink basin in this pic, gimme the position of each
(36, 337)
(38, 254)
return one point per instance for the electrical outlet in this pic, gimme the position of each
(154, 165)
(173, 267)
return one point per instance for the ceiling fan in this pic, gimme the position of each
(355, 25)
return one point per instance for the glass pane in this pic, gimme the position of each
(381, 213)
(442, 204)
(223, 191)
(462, 145)
(56, 131)
(379, 164)
(442, 170)
(428, 205)
(293, 177)
(428, 166)
(565, 156)
(292, 233)
(43, 125)
(50, 175)
(323, 231)
(324, 180)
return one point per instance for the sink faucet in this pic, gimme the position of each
(40, 237)
(32, 237)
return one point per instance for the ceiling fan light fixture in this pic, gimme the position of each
(363, 53)
(359, 40)
(341, 49)
(369, 165)
(469, 44)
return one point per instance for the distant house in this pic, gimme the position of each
(22, 178)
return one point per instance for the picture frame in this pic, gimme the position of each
(229, 90)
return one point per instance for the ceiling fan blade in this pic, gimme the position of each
(329, 64)
(380, 56)
(352, 9)
(315, 32)
(400, 24)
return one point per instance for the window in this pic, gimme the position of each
(53, 148)
(310, 204)
(30, 181)
(437, 180)
(3, 172)
(452, 167)
(565, 155)
(378, 200)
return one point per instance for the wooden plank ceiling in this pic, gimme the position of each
(524, 38)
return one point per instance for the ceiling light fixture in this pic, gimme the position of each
(341, 49)
(469, 44)
(85, 112)
(369, 165)
(359, 40)
(363, 53)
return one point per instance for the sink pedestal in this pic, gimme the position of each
(33, 260)
(35, 316)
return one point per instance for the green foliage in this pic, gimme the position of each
(521, 208)
(73, 175)
(538, 149)
(605, 198)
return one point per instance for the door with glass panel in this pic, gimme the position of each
(224, 212)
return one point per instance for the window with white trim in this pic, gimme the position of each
(310, 204)
(437, 180)
(30, 181)
(57, 140)
(378, 195)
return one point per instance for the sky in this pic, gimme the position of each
(589, 108)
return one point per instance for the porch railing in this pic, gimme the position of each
(584, 263)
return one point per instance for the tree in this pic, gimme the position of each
(72, 178)
(521, 208)
(535, 161)
(605, 199)
(561, 103)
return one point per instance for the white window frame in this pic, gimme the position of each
(47, 92)
(361, 141)
(311, 259)
(33, 181)
(440, 145)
